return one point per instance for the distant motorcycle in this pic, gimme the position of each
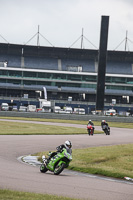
(57, 163)
(90, 129)
(106, 129)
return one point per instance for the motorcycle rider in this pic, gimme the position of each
(91, 123)
(67, 145)
(105, 123)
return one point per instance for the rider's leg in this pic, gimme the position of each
(51, 155)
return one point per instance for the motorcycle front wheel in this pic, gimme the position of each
(108, 132)
(43, 168)
(89, 132)
(59, 169)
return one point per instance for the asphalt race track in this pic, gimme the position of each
(16, 175)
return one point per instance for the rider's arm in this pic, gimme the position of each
(59, 148)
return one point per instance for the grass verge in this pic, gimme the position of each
(96, 123)
(112, 161)
(13, 128)
(14, 195)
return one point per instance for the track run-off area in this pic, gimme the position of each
(19, 176)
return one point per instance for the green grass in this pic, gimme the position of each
(96, 123)
(14, 195)
(112, 161)
(13, 128)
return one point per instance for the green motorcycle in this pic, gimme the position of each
(57, 162)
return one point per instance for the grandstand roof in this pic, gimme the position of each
(59, 52)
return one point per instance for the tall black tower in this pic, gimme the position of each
(102, 63)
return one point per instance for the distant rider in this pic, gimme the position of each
(92, 124)
(67, 145)
(104, 123)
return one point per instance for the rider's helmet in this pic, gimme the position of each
(103, 121)
(68, 144)
(89, 120)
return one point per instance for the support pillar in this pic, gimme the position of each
(102, 63)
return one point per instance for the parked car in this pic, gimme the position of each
(4, 106)
(110, 112)
(80, 111)
(39, 110)
(57, 109)
(68, 110)
(22, 109)
(31, 108)
(14, 108)
(62, 111)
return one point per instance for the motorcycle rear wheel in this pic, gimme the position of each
(43, 168)
(59, 169)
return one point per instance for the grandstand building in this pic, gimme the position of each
(64, 72)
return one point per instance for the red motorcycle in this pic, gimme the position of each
(90, 129)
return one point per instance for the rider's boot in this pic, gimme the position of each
(43, 158)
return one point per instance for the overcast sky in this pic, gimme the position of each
(61, 22)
